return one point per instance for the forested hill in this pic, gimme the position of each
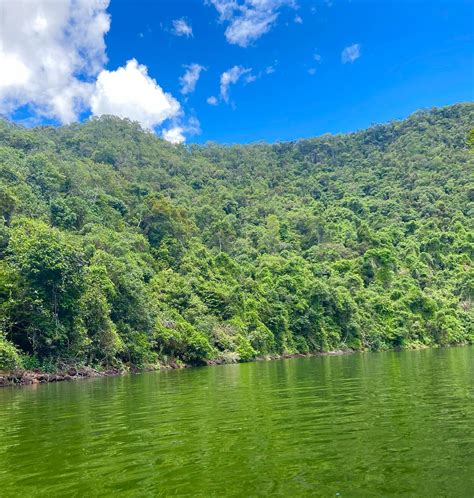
(117, 248)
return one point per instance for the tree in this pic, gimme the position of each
(49, 270)
(117, 248)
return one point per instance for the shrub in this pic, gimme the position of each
(9, 357)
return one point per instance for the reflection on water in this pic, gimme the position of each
(359, 425)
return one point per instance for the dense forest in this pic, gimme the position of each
(119, 249)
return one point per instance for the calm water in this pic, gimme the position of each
(360, 425)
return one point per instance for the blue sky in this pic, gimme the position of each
(290, 80)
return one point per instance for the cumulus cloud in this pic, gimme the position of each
(231, 77)
(190, 78)
(52, 58)
(249, 20)
(350, 54)
(298, 20)
(50, 52)
(130, 93)
(182, 28)
(212, 100)
(176, 133)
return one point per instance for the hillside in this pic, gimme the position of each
(117, 248)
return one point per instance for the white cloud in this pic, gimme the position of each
(175, 135)
(269, 69)
(14, 71)
(52, 58)
(190, 78)
(317, 58)
(298, 20)
(193, 126)
(212, 100)
(246, 29)
(49, 53)
(249, 20)
(182, 28)
(130, 93)
(231, 77)
(350, 54)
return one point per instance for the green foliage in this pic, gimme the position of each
(470, 139)
(117, 247)
(95, 313)
(175, 337)
(9, 357)
(244, 349)
(47, 269)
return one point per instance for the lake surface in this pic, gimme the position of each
(374, 424)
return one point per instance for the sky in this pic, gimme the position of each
(234, 71)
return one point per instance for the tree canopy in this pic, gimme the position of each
(117, 248)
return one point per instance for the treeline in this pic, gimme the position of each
(117, 248)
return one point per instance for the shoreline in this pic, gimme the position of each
(20, 377)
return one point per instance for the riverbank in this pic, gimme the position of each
(22, 377)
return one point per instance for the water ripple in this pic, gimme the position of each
(398, 424)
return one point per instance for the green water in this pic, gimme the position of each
(360, 425)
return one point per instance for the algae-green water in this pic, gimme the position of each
(373, 424)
